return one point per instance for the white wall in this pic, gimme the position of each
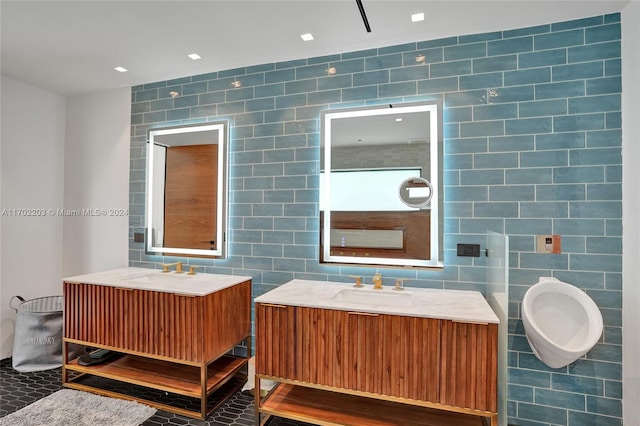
(60, 154)
(96, 177)
(32, 169)
(631, 209)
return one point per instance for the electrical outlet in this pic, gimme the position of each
(548, 244)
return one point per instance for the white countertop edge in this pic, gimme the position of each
(199, 284)
(318, 294)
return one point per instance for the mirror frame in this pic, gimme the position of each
(432, 107)
(222, 194)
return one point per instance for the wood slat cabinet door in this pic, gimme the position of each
(411, 358)
(469, 366)
(322, 348)
(364, 351)
(275, 329)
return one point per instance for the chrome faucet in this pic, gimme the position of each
(377, 282)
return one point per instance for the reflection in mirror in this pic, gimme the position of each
(187, 190)
(381, 186)
(416, 192)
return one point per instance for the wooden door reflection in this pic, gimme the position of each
(190, 197)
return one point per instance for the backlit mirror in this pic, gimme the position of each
(381, 185)
(187, 190)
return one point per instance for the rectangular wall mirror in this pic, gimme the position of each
(187, 190)
(381, 185)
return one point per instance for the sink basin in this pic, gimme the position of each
(359, 296)
(158, 278)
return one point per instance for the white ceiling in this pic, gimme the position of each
(71, 47)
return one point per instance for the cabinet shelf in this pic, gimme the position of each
(164, 375)
(332, 408)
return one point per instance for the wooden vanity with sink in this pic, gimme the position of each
(345, 356)
(173, 333)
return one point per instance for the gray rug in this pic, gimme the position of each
(70, 407)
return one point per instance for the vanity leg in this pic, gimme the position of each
(249, 348)
(256, 393)
(203, 391)
(65, 373)
(493, 420)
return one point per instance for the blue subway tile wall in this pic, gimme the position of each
(532, 145)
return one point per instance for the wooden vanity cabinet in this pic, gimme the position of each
(170, 342)
(419, 364)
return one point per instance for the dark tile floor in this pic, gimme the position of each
(18, 390)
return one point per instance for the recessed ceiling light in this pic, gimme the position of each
(307, 37)
(399, 119)
(417, 17)
(120, 69)
(194, 56)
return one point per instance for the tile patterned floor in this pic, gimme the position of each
(18, 390)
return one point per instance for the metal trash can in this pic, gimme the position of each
(37, 343)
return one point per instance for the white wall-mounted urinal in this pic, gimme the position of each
(561, 321)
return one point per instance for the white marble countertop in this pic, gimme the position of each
(456, 305)
(199, 284)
